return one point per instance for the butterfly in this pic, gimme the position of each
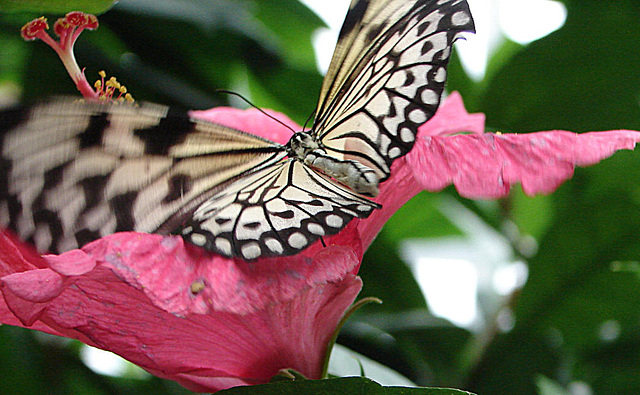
(75, 172)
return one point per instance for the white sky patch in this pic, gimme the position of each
(109, 364)
(324, 40)
(455, 273)
(522, 21)
(451, 287)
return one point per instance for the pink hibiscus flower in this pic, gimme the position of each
(212, 323)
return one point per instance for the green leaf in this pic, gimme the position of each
(348, 385)
(420, 217)
(578, 78)
(533, 215)
(56, 6)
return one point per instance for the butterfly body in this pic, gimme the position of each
(351, 173)
(78, 171)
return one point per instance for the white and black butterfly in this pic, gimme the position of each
(74, 172)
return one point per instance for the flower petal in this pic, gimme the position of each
(16, 256)
(251, 121)
(486, 166)
(241, 324)
(453, 118)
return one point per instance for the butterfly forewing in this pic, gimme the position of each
(77, 171)
(375, 98)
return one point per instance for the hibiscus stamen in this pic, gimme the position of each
(106, 90)
(68, 29)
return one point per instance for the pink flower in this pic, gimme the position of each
(184, 314)
(212, 323)
(180, 313)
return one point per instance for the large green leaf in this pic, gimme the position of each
(55, 6)
(349, 385)
(578, 78)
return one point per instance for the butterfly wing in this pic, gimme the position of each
(77, 171)
(279, 210)
(386, 77)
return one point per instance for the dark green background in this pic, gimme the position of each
(584, 276)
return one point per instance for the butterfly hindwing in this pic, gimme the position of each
(386, 77)
(279, 210)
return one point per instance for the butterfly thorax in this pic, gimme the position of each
(360, 178)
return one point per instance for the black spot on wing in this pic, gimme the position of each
(85, 236)
(171, 130)
(53, 176)
(179, 185)
(315, 202)
(52, 221)
(426, 47)
(15, 210)
(122, 206)
(5, 169)
(374, 31)
(221, 221)
(287, 214)
(252, 225)
(10, 118)
(423, 26)
(92, 136)
(410, 78)
(93, 188)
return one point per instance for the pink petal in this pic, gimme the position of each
(251, 121)
(38, 286)
(452, 118)
(82, 263)
(183, 314)
(16, 256)
(486, 166)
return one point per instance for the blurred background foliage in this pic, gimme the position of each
(572, 327)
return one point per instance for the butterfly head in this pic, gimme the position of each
(301, 143)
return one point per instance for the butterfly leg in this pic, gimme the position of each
(351, 173)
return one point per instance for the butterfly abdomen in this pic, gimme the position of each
(351, 173)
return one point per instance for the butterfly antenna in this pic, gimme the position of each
(307, 121)
(256, 107)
